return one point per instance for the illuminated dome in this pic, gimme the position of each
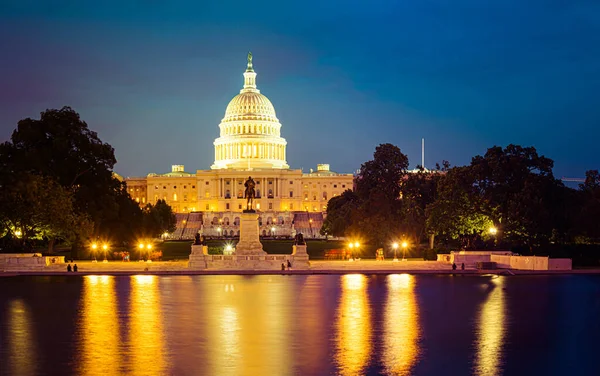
(250, 131)
(250, 105)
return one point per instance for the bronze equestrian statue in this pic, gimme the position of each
(250, 193)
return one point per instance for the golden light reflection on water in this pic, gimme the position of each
(99, 326)
(401, 322)
(254, 343)
(354, 326)
(146, 334)
(21, 339)
(491, 329)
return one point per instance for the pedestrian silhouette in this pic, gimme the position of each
(69, 267)
(289, 264)
(75, 267)
(453, 266)
(282, 266)
(462, 266)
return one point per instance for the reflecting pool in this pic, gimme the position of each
(353, 324)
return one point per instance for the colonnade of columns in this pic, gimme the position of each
(250, 150)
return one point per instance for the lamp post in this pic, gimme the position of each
(219, 231)
(395, 246)
(404, 245)
(273, 231)
(356, 245)
(94, 247)
(105, 248)
(351, 245)
(493, 231)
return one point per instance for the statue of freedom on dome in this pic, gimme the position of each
(249, 194)
(250, 58)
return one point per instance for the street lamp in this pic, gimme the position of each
(273, 231)
(395, 246)
(493, 230)
(94, 248)
(404, 245)
(351, 245)
(105, 248)
(219, 231)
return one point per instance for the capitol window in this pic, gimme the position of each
(207, 183)
(156, 187)
(291, 182)
(291, 193)
(174, 187)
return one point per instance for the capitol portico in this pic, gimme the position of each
(249, 144)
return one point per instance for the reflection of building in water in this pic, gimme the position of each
(401, 323)
(99, 327)
(491, 331)
(146, 337)
(250, 144)
(248, 326)
(354, 326)
(21, 348)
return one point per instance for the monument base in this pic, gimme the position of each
(197, 257)
(235, 262)
(249, 244)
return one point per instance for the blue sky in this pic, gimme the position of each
(153, 77)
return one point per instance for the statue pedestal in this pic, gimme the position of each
(249, 244)
(197, 259)
(199, 250)
(300, 257)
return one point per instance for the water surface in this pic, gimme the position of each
(300, 325)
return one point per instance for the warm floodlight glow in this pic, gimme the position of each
(105, 247)
(141, 246)
(149, 246)
(273, 229)
(493, 230)
(351, 245)
(18, 233)
(404, 244)
(94, 246)
(395, 245)
(357, 244)
(228, 247)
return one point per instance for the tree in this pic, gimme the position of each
(456, 212)
(378, 186)
(587, 223)
(33, 207)
(60, 146)
(341, 211)
(158, 219)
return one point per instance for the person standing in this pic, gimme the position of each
(69, 268)
(289, 265)
(75, 268)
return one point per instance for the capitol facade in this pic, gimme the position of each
(249, 144)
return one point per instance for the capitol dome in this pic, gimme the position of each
(250, 131)
(250, 105)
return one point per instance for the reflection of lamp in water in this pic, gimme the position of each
(353, 335)
(401, 325)
(491, 328)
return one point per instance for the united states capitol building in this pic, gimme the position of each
(249, 144)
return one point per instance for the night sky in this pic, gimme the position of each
(153, 77)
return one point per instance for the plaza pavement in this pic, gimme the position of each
(179, 267)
